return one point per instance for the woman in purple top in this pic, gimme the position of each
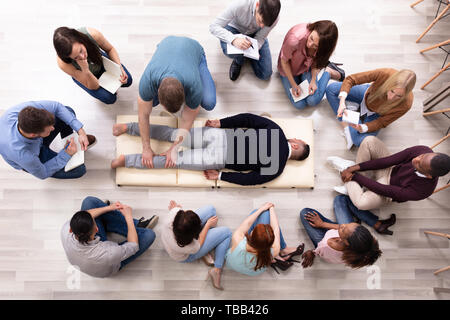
(306, 50)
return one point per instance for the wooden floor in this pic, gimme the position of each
(372, 34)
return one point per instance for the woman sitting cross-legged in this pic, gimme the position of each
(343, 242)
(258, 243)
(380, 96)
(188, 236)
(80, 55)
(306, 50)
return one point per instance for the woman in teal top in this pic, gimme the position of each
(258, 242)
(80, 56)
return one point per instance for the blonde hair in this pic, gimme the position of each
(404, 78)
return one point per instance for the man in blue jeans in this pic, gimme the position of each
(29, 128)
(177, 74)
(85, 243)
(253, 18)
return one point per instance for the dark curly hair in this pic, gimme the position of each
(186, 227)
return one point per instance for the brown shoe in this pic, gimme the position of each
(92, 141)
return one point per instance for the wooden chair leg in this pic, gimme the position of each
(439, 234)
(412, 5)
(443, 43)
(442, 188)
(436, 75)
(440, 141)
(434, 22)
(441, 270)
(426, 114)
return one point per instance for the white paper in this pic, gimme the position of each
(110, 79)
(304, 88)
(77, 159)
(351, 117)
(252, 53)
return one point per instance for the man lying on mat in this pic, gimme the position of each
(244, 142)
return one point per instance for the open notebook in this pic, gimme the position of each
(110, 79)
(350, 116)
(304, 88)
(77, 159)
(252, 52)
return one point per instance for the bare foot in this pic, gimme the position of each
(333, 73)
(214, 273)
(119, 162)
(287, 251)
(119, 128)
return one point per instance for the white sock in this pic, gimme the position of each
(348, 137)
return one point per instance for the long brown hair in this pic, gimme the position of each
(328, 36)
(63, 40)
(261, 240)
(401, 79)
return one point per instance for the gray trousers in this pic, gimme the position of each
(206, 148)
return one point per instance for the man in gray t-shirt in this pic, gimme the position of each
(84, 237)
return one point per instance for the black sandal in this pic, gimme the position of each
(385, 224)
(334, 66)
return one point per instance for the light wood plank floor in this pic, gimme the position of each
(373, 34)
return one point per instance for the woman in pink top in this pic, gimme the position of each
(342, 242)
(306, 50)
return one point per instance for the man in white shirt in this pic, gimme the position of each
(253, 18)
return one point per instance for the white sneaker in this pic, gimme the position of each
(339, 163)
(341, 189)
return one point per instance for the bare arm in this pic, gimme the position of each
(276, 232)
(84, 76)
(287, 70)
(144, 111)
(239, 234)
(132, 234)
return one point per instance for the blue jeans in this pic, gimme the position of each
(102, 94)
(343, 205)
(45, 154)
(114, 221)
(218, 238)
(316, 234)
(264, 218)
(261, 67)
(311, 100)
(356, 94)
(209, 88)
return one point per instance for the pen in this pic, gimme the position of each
(251, 44)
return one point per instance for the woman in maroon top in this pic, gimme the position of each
(306, 50)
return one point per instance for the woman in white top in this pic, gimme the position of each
(258, 242)
(189, 235)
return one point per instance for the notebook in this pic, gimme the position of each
(110, 79)
(304, 87)
(77, 159)
(252, 53)
(351, 117)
